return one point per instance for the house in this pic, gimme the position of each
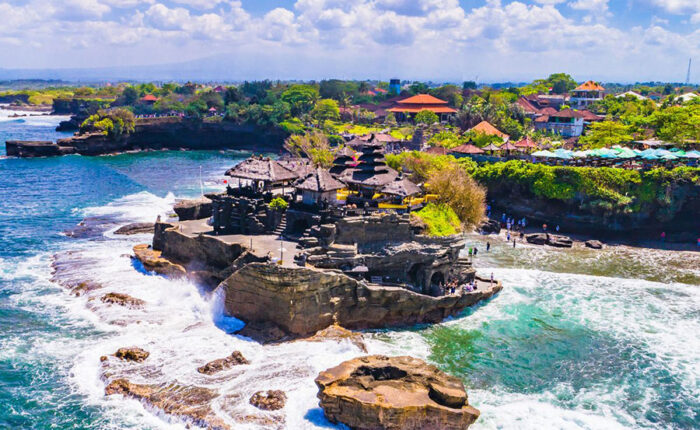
(567, 123)
(319, 186)
(528, 107)
(686, 97)
(586, 94)
(148, 99)
(486, 128)
(409, 107)
(631, 94)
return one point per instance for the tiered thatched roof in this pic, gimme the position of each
(320, 180)
(372, 170)
(401, 187)
(261, 169)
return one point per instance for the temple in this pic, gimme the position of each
(407, 108)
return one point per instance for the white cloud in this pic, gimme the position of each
(678, 6)
(593, 6)
(80, 10)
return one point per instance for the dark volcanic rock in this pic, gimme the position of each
(187, 210)
(536, 238)
(122, 300)
(220, 364)
(136, 228)
(559, 241)
(188, 402)
(490, 226)
(91, 227)
(594, 244)
(271, 400)
(132, 354)
(379, 392)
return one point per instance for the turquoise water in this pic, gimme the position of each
(577, 340)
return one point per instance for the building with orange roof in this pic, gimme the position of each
(407, 108)
(149, 99)
(586, 94)
(486, 128)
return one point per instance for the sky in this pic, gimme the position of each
(438, 40)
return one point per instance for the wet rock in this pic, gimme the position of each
(135, 228)
(193, 209)
(536, 238)
(339, 334)
(379, 392)
(91, 227)
(594, 244)
(263, 331)
(84, 287)
(559, 241)
(235, 359)
(190, 403)
(153, 262)
(132, 354)
(490, 226)
(122, 300)
(270, 400)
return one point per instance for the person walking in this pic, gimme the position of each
(663, 236)
(557, 228)
(488, 245)
(476, 251)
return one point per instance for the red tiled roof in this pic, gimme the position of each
(589, 86)
(508, 147)
(418, 108)
(590, 116)
(423, 99)
(527, 105)
(548, 110)
(526, 142)
(486, 128)
(149, 98)
(567, 113)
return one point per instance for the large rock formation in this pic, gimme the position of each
(379, 392)
(193, 209)
(301, 301)
(135, 228)
(153, 262)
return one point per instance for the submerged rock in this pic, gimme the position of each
(122, 300)
(193, 209)
(189, 402)
(135, 228)
(132, 354)
(338, 334)
(270, 400)
(153, 262)
(379, 392)
(235, 359)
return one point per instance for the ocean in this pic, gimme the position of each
(578, 339)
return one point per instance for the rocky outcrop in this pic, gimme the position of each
(379, 392)
(135, 228)
(122, 300)
(132, 354)
(235, 359)
(153, 262)
(299, 301)
(190, 403)
(594, 244)
(555, 240)
(270, 400)
(489, 226)
(193, 209)
(339, 334)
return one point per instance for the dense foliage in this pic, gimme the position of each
(439, 219)
(113, 122)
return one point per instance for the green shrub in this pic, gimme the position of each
(279, 204)
(439, 219)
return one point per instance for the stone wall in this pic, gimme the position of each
(372, 232)
(243, 215)
(199, 252)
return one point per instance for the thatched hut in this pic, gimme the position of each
(319, 186)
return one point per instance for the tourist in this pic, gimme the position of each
(513, 242)
(476, 250)
(508, 237)
(488, 245)
(663, 236)
(557, 228)
(544, 227)
(492, 279)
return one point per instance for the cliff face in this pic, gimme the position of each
(302, 300)
(158, 134)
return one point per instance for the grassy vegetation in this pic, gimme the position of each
(440, 219)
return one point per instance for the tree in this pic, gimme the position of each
(114, 122)
(426, 117)
(326, 109)
(469, 85)
(460, 191)
(232, 95)
(390, 120)
(301, 98)
(129, 96)
(605, 134)
(314, 146)
(450, 93)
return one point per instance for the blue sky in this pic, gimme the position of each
(442, 40)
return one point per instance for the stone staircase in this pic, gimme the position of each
(282, 226)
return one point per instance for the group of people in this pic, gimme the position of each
(452, 286)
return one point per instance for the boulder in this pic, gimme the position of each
(559, 241)
(235, 359)
(339, 334)
(191, 403)
(490, 226)
(132, 354)
(122, 300)
(536, 238)
(153, 262)
(594, 244)
(270, 400)
(193, 209)
(379, 392)
(135, 228)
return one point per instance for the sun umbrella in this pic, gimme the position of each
(692, 154)
(543, 154)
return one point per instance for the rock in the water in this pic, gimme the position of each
(220, 364)
(490, 226)
(193, 209)
(91, 227)
(153, 262)
(136, 228)
(188, 402)
(536, 238)
(338, 334)
(559, 241)
(122, 300)
(270, 400)
(379, 392)
(594, 244)
(132, 354)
